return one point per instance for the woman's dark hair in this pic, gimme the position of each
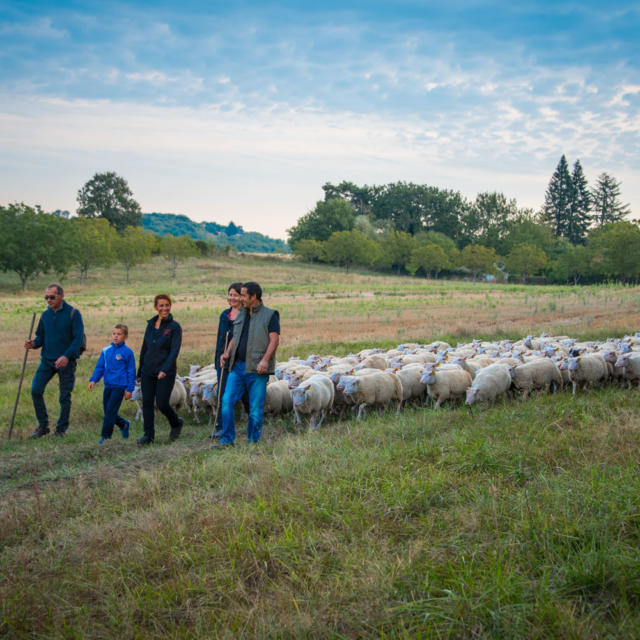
(236, 286)
(162, 296)
(253, 288)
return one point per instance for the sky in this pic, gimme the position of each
(243, 110)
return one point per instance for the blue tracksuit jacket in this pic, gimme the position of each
(118, 366)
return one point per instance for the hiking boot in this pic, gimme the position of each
(124, 431)
(58, 434)
(173, 435)
(145, 440)
(39, 432)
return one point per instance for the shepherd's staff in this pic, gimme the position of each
(226, 340)
(24, 366)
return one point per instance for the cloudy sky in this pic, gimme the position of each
(243, 110)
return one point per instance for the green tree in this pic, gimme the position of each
(33, 242)
(606, 201)
(431, 258)
(580, 209)
(93, 244)
(360, 198)
(526, 260)
(478, 259)
(616, 250)
(107, 195)
(176, 249)
(558, 199)
(351, 248)
(309, 250)
(526, 229)
(395, 250)
(487, 220)
(133, 247)
(328, 216)
(573, 264)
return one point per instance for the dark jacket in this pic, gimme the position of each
(160, 347)
(225, 331)
(59, 334)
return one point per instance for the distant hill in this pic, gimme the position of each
(163, 224)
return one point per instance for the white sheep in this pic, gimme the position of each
(490, 383)
(537, 374)
(278, 399)
(314, 397)
(587, 370)
(630, 365)
(445, 382)
(378, 388)
(412, 385)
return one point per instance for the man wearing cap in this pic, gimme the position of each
(60, 333)
(252, 357)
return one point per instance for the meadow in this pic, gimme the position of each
(517, 521)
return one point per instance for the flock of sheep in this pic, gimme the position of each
(434, 373)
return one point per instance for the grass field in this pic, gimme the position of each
(519, 521)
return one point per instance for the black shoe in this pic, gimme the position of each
(222, 445)
(39, 432)
(58, 434)
(173, 435)
(145, 440)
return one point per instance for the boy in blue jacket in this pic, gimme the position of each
(118, 366)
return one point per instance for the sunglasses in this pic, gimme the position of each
(50, 297)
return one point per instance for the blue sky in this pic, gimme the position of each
(242, 110)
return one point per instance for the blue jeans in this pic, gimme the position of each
(111, 401)
(67, 378)
(237, 383)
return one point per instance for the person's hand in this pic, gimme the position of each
(127, 395)
(62, 362)
(223, 360)
(161, 375)
(91, 385)
(28, 344)
(263, 366)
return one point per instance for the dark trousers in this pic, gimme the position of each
(111, 401)
(66, 378)
(245, 398)
(156, 393)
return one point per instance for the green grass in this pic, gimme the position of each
(517, 521)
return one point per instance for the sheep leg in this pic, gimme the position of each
(361, 409)
(323, 413)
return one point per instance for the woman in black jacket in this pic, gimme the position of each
(225, 333)
(158, 368)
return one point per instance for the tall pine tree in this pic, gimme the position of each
(580, 211)
(606, 201)
(558, 199)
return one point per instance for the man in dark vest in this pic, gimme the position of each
(60, 333)
(252, 356)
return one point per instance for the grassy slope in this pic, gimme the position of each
(519, 521)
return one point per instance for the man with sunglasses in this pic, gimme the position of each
(60, 333)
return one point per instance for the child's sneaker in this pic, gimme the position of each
(102, 440)
(125, 430)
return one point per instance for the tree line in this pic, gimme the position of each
(106, 231)
(579, 235)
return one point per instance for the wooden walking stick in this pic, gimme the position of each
(226, 341)
(24, 366)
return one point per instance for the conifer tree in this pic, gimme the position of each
(558, 199)
(580, 211)
(606, 201)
